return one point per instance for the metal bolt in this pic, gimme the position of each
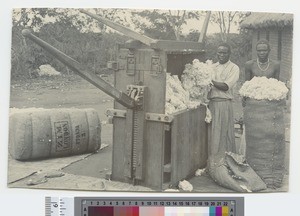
(159, 118)
(148, 116)
(115, 113)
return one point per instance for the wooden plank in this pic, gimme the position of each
(154, 151)
(118, 155)
(192, 139)
(197, 142)
(187, 149)
(186, 145)
(174, 149)
(168, 45)
(179, 141)
(119, 124)
(121, 78)
(189, 143)
(154, 131)
(203, 138)
(196, 138)
(140, 145)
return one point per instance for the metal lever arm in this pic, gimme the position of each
(119, 96)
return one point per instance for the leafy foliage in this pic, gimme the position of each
(67, 33)
(162, 24)
(74, 34)
(225, 20)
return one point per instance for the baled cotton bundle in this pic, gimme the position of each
(196, 79)
(37, 133)
(262, 88)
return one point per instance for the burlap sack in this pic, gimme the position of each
(265, 139)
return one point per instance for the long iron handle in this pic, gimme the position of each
(119, 96)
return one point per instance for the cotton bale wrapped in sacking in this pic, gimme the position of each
(43, 133)
(264, 128)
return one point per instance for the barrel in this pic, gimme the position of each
(265, 139)
(46, 133)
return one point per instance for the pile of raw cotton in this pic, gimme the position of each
(196, 79)
(177, 98)
(193, 88)
(47, 70)
(262, 88)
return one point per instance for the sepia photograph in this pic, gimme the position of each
(150, 100)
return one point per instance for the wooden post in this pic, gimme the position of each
(204, 27)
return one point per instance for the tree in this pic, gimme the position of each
(27, 56)
(225, 20)
(64, 29)
(163, 24)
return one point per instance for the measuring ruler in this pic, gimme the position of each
(144, 206)
(59, 206)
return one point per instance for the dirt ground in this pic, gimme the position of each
(85, 172)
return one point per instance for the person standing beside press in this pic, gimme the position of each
(262, 65)
(221, 129)
(264, 122)
(221, 138)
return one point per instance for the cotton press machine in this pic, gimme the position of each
(150, 148)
